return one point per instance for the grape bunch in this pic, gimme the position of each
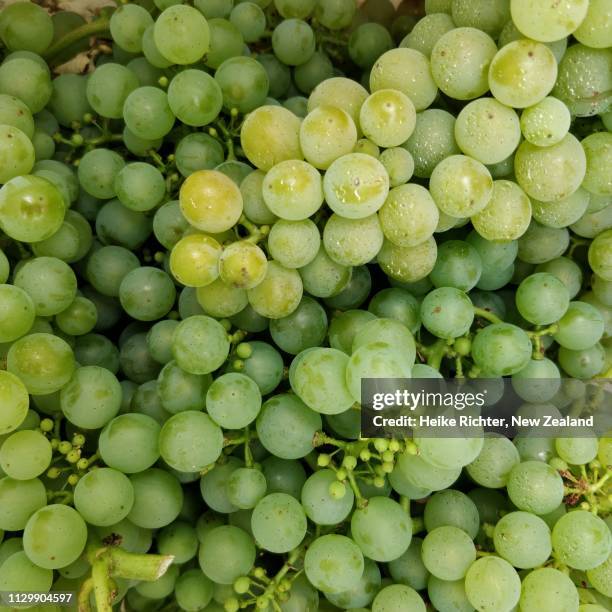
(223, 216)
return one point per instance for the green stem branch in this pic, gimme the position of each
(93, 28)
(485, 314)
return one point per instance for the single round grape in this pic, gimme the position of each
(368, 42)
(448, 595)
(562, 213)
(547, 587)
(195, 97)
(158, 498)
(27, 80)
(352, 242)
(460, 62)
(492, 584)
(233, 401)
(447, 312)
(278, 522)
(193, 590)
(547, 23)
(598, 150)
(408, 71)
(16, 113)
(25, 454)
(20, 499)
(16, 153)
(408, 568)
(523, 540)
(219, 299)
(182, 34)
(194, 260)
(339, 92)
(225, 42)
(210, 201)
(147, 293)
(140, 186)
(535, 487)
(600, 257)
(127, 25)
(452, 508)
(408, 264)
(387, 117)
(448, 552)
(286, 426)
(542, 298)
(595, 29)
(490, 17)
(250, 20)
(245, 487)
(279, 294)
(580, 328)
(398, 597)
(255, 208)
(294, 244)
(419, 473)
(501, 349)
(427, 31)
(200, 345)
(242, 265)
(226, 553)
(577, 451)
(15, 401)
(487, 130)
(529, 388)
(320, 506)
(26, 27)
(107, 88)
(541, 244)
(399, 164)
(147, 114)
(304, 327)
(293, 42)
(244, 83)
(17, 310)
(546, 123)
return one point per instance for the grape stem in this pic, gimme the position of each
(485, 314)
(84, 593)
(93, 28)
(321, 438)
(360, 500)
(436, 352)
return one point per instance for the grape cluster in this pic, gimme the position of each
(236, 213)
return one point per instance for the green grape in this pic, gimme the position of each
(577, 450)
(19, 573)
(398, 597)
(127, 25)
(319, 380)
(535, 487)
(452, 508)
(147, 114)
(448, 595)
(333, 563)
(147, 74)
(233, 401)
(16, 153)
(180, 540)
(97, 172)
(602, 289)
(135, 359)
(147, 293)
(448, 453)
(214, 8)
(17, 312)
(54, 536)
(293, 42)
(562, 213)
(388, 331)
(20, 499)
(95, 349)
(194, 260)
(69, 99)
(320, 506)
(490, 17)
(447, 312)
(294, 244)
(487, 130)
(547, 23)
(158, 498)
(279, 75)
(341, 93)
(295, 9)
(304, 327)
(399, 164)
(255, 208)
(493, 584)
(150, 50)
(598, 150)
(193, 590)
(460, 62)
(250, 21)
(363, 592)
(24, 220)
(278, 522)
(501, 349)
(284, 476)
(245, 487)
(540, 244)
(91, 398)
(235, 170)
(213, 486)
(546, 123)
(344, 327)
(129, 443)
(419, 473)
(599, 255)
(26, 26)
(408, 568)
(25, 454)
(244, 83)
(286, 426)
(15, 402)
(226, 553)
(279, 294)
(179, 390)
(356, 185)
(200, 345)
(108, 87)
(387, 117)
(225, 42)
(593, 223)
(529, 388)
(523, 540)
(461, 186)
(594, 30)
(44, 146)
(427, 31)
(542, 298)
(182, 34)
(189, 441)
(307, 76)
(108, 266)
(27, 80)
(408, 71)
(458, 265)
(355, 292)
(104, 496)
(140, 186)
(548, 589)
(352, 242)
(581, 327)
(220, 299)
(13, 112)
(533, 167)
(43, 362)
(195, 97)
(408, 264)
(599, 577)
(398, 304)
(448, 552)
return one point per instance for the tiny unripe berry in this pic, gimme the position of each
(77, 140)
(78, 439)
(53, 473)
(73, 479)
(46, 425)
(387, 467)
(163, 81)
(394, 446)
(242, 585)
(55, 443)
(234, 111)
(226, 324)
(73, 456)
(341, 474)
(595, 465)
(463, 346)
(337, 490)
(82, 464)
(64, 447)
(379, 482)
(238, 364)
(323, 460)
(585, 506)
(558, 464)
(411, 448)
(381, 444)
(387, 456)
(349, 462)
(231, 605)
(244, 350)
(365, 455)
(259, 573)
(262, 602)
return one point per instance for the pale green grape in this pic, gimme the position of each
(278, 522)
(448, 595)
(233, 401)
(461, 186)
(104, 496)
(487, 130)
(546, 123)
(158, 498)
(399, 164)
(523, 540)
(542, 298)
(245, 487)
(490, 17)
(562, 213)
(278, 73)
(452, 508)
(147, 293)
(449, 453)
(548, 589)
(54, 536)
(580, 328)
(458, 265)
(182, 34)
(128, 24)
(270, 135)
(107, 88)
(323, 277)
(408, 71)
(598, 150)
(140, 186)
(179, 390)
(19, 500)
(292, 190)
(220, 299)
(397, 304)
(25, 454)
(320, 506)
(194, 260)
(593, 223)
(448, 552)
(398, 598)
(329, 394)
(355, 292)
(284, 476)
(97, 172)
(189, 441)
(193, 590)
(424, 475)
(547, 22)
(326, 134)
(15, 402)
(26, 26)
(427, 31)
(408, 264)
(307, 76)
(596, 28)
(27, 80)
(529, 388)
(339, 92)
(408, 568)
(387, 117)
(363, 592)
(293, 42)
(493, 584)
(541, 244)
(368, 42)
(16, 153)
(577, 450)
(352, 242)
(242, 265)
(333, 563)
(129, 443)
(14, 112)
(147, 114)
(447, 312)
(306, 326)
(460, 62)
(250, 20)
(255, 207)
(213, 486)
(345, 326)
(600, 257)
(356, 185)
(294, 244)
(108, 266)
(599, 577)
(17, 312)
(286, 426)
(225, 42)
(226, 553)
(195, 97)
(19, 574)
(243, 82)
(501, 349)
(279, 294)
(535, 487)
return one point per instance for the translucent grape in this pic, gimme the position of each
(140, 186)
(108, 87)
(548, 588)
(341, 93)
(319, 505)
(27, 27)
(250, 20)
(219, 299)
(501, 349)
(294, 244)
(245, 487)
(427, 31)
(243, 82)
(535, 487)
(600, 255)
(147, 293)
(547, 23)
(397, 597)
(226, 553)
(598, 150)
(158, 498)
(27, 80)
(303, 328)
(523, 540)
(541, 244)
(182, 34)
(195, 97)
(542, 298)
(293, 42)
(447, 312)
(577, 450)
(448, 595)
(127, 26)
(408, 264)
(563, 212)
(352, 242)
(448, 552)
(594, 30)
(387, 117)
(147, 114)
(278, 522)
(200, 345)
(194, 260)
(279, 294)
(20, 499)
(424, 475)
(580, 327)
(492, 583)
(546, 123)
